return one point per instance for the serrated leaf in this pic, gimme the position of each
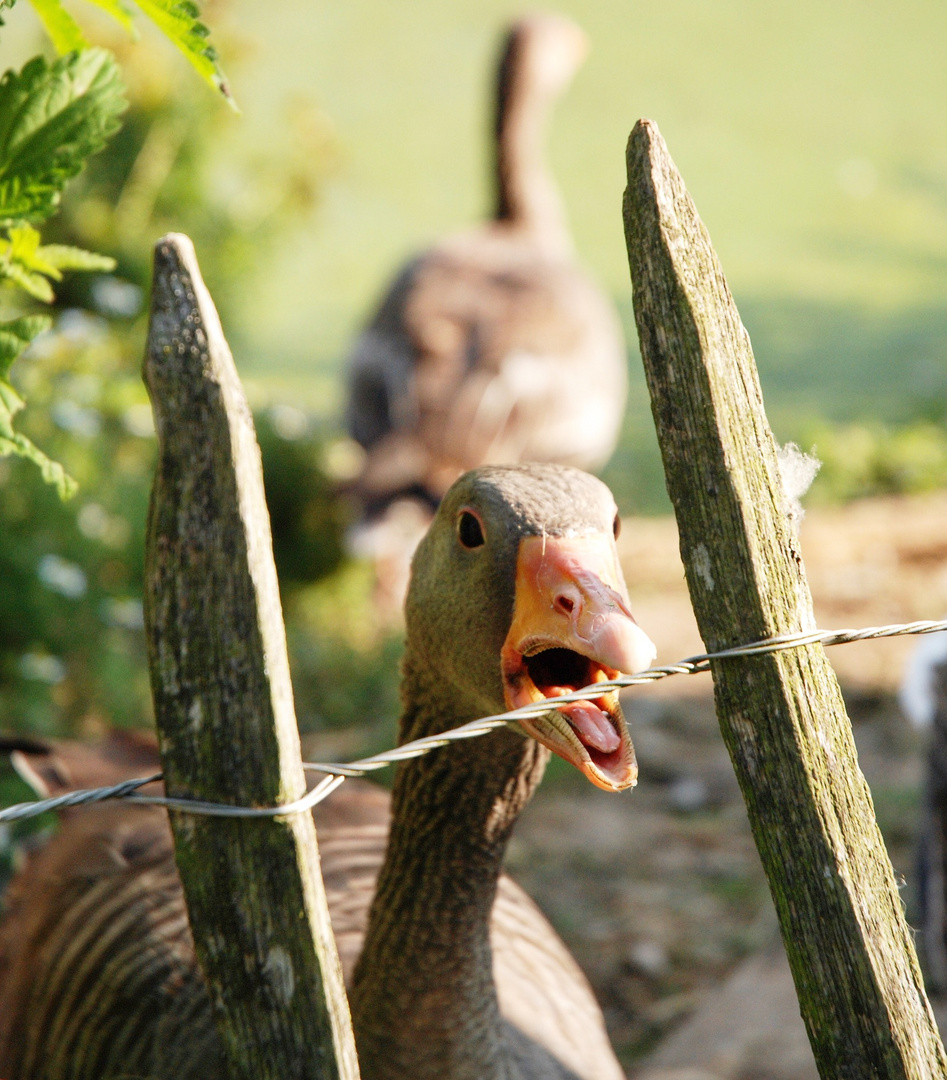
(52, 118)
(120, 12)
(35, 284)
(23, 249)
(14, 202)
(63, 257)
(15, 335)
(10, 405)
(52, 472)
(22, 263)
(27, 263)
(178, 20)
(63, 30)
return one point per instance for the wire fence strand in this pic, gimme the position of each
(337, 773)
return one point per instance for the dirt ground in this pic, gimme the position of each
(659, 892)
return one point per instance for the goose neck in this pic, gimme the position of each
(424, 1003)
(526, 194)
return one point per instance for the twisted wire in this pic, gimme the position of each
(337, 773)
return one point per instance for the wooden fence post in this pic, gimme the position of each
(782, 715)
(224, 706)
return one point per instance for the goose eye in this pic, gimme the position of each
(469, 530)
(616, 526)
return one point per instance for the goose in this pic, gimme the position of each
(493, 346)
(923, 699)
(516, 597)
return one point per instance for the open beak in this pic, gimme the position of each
(571, 628)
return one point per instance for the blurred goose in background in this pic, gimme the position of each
(516, 597)
(493, 346)
(923, 699)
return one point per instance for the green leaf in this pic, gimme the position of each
(62, 28)
(119, 11)
(28, 264)
(10, 405)
(22, 263)
(52, 118)
(35, 284)
(53, 473)
(16, 335)
(63, 257)
(177, 19)
(23, 250)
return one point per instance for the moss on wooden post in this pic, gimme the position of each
(782, 716)
(224, 707)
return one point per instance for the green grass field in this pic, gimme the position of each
(813, 137)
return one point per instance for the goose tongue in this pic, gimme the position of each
(592, 725)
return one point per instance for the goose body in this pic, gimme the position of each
(493, 346)
(453, 974)
(108, 889)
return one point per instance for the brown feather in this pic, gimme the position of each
(118, 858)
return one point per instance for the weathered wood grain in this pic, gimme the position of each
(782, 715)
(223, 703)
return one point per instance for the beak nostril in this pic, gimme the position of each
(565, 604)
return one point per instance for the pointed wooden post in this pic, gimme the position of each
(224, 706)
(782, 716)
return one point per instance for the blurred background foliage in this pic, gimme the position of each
(72, 653)
(824, 187)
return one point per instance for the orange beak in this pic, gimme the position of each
(572, 627)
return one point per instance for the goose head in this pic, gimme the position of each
(517, 597)
(546, 51)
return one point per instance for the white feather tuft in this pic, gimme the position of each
(797, 471)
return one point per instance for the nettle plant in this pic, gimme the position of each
(53, 117)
